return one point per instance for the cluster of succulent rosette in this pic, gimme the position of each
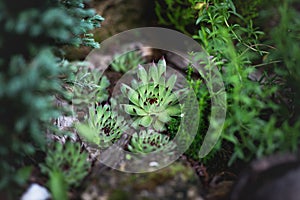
(151, 104)
(147, 141)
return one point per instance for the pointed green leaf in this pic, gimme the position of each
(173, 110)
(162, 92)
(162, 82)
(171, 82)
(133, 110)
(92, 112)
(86, 132)
(133, 97)
(142, 91)
(103, 113)
(170, 99)
(142, 74)
(161, 67)
(104, 82)
(164, 117)
(158, 125)
(154, 74)
(134, 84)
(124, 89)
(57, 185)
(135, 123)
(146, 121)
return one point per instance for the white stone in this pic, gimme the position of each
(153, 164)
(36, 192)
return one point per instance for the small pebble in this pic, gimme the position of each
(36, 192)
(153, 164)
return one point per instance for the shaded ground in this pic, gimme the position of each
(177, 181)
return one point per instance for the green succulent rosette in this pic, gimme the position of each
(148, 141)
(90, 86)
(152, 101)
(103, 126)
(69, 159)
(124, 63)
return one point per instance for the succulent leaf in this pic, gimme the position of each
(173, 110)
(159, 126)
(171, 82)
(133, 96)
(162, 65)
(142, 75)
(154, 74)
(164, 117)
(126, 62)
(134, 110)
(146, 121)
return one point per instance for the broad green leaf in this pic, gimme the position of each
(104, 82)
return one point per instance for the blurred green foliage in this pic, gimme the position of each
(124, 63)
(58, 186)
(89, 87)
(69, 160)
(204, 103)
(259, 120)
(31, 34)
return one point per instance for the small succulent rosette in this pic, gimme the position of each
(148, 141)
(90, 86)
(125, 62)
(102, 126)
(67, 159)
(152, 100)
